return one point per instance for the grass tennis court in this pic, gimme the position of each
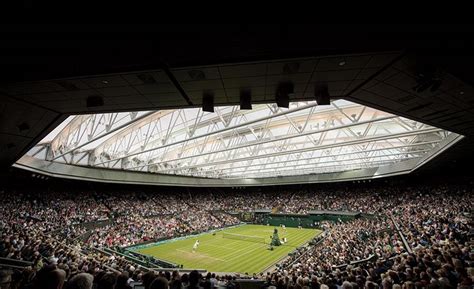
(218, 254)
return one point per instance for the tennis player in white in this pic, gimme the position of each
(195, 246)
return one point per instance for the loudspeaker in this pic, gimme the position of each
(94, 101)
(245, 99)
(321, 93)
(282, 96)
(146, 78)
(208, 101)
(23, 126)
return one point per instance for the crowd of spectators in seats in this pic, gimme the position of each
(52, 231)
(134, 229)
(347, 242)
(139, 203)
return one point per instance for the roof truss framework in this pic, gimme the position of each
(264, 142)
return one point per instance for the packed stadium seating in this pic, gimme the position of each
(61, 237)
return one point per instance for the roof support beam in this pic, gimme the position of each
(218, 131)
(343, 154)
(320, 147)
(287, 137)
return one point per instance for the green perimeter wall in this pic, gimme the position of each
(305, 221)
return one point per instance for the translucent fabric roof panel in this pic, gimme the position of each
(230, 143)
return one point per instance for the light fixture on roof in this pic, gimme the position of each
(342, 62)
(23, 126)
(146, 78)
(94, 101)
(208, 101)
(196, 74)
(282, 96)
(427, 76)
(68, 85)
(292, 67)
(436, 84)
(321, 93)
(245, 98)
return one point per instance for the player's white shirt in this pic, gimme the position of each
(196, 244)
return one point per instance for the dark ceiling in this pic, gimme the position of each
(48, 71)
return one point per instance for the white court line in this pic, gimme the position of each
(202, 255)
(236, 252)
(230, 259)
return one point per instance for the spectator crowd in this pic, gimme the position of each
(57, 234)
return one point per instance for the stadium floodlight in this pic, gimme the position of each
(23, 127)
(95, 101)
(282, 95)
(245, 99)
(208, 101)
(321, 93)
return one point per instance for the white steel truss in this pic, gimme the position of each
(267, 141)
